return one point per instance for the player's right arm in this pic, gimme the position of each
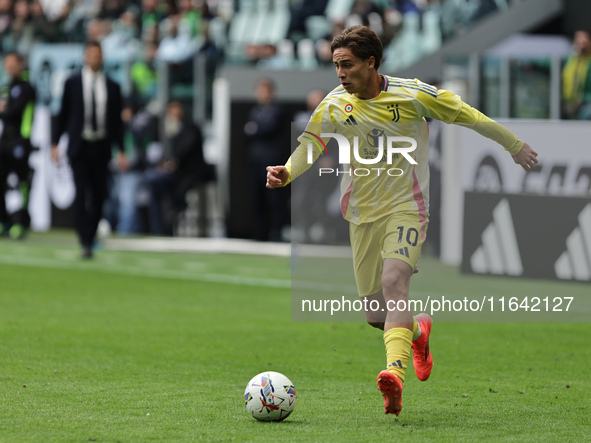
(298, 162)
(277, 176)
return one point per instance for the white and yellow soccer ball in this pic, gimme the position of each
(270, 396)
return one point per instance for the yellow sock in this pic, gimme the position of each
(398, 342)
(415, 328)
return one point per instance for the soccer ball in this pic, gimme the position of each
(270, 396)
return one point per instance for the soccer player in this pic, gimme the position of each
(388, 215)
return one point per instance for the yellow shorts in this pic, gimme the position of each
(400, 235)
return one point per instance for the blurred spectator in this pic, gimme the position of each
(366, 9)
(44, 30)
(313, 99)
(180, 168)
(176, 47)
(76, 16)
(141, 123)
(91, 116)
(265, 57)
(127, 181)
(141, 130)
(394, 16)
(323, 50)
(210, 51)
(123, 36)
(21, 31)
(57, 10)
(144, 79)
(190, 18)
(299, 14)
(16, 112)
(152, 15)
(576, 79)
(264, 136)
(404, 6)
(96, 30)
(111, 9)
(5, 19)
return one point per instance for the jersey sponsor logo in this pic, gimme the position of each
(349, 107)
(351, 120)
(374, 136)
(395, 112)
(499, 251)
(575, 261)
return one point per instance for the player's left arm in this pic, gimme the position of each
(449, 108)
(521, 152)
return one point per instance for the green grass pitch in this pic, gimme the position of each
(159, 347)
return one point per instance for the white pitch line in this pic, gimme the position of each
(37, 262)
(195, 266)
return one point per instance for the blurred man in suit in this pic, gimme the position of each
(265, 138)
(91, 117)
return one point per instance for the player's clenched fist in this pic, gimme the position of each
(527, 157)
(277, 176)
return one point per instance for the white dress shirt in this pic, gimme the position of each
(96, 80)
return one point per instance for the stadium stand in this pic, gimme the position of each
(272, 36)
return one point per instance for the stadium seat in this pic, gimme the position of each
(502, 4)
(307, 54)
(338, 10)
(241, 31)
(285, 50)
(317, 27)
(406, 47)
(376, 23)
(353, 20)
(276, 24)
(217, 32)
(431, 31)
(262, 22)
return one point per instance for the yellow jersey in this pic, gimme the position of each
(386, 169)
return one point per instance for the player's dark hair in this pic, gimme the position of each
(362, 41)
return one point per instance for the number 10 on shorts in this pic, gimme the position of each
(412, 235)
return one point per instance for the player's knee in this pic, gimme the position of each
(394, 284)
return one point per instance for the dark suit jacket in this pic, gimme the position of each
(266, 144)
(186, 148)
(70, 119)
